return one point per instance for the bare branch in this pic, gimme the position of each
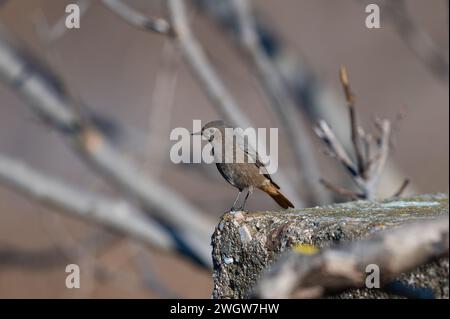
(341, 191)
(135, 18)
(343, 266)
(335, 147)
(113, 214)
(36, 85)
(367, 171)
(353, 121)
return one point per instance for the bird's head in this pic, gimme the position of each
(213, 130)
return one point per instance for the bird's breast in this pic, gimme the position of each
(241, 175)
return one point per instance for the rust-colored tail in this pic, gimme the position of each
(273, 191)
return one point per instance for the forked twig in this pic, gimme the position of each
(371, 152)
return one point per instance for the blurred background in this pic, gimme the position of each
(139, 80)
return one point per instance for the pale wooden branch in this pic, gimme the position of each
(112, 214)
(197, 60)
(324, 132)
(135, 18)
(367, 169)
(41, 89)
(343, 266)
(281, 102)
(341, 191)
(209, 80)
(375, 170)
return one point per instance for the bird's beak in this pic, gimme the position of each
(196, 133)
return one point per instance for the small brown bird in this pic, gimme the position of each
(244, 175)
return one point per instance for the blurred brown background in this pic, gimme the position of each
(114, 67)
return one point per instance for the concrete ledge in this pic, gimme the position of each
(244, 244)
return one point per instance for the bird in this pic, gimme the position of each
(244, 175)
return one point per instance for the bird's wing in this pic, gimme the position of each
(250, 151)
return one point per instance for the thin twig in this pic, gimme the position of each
(375, 170)
(353, 121)
(137, 19)
(324, 131)
(116, 215)
(366, 171)
(340, 190)
(402, 188)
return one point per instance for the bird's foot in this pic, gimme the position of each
(241, 209)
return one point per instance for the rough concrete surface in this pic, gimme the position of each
(244, 244)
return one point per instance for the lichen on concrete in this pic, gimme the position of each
(246, 243)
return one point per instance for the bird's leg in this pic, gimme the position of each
(249, 191)
(233, 208)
